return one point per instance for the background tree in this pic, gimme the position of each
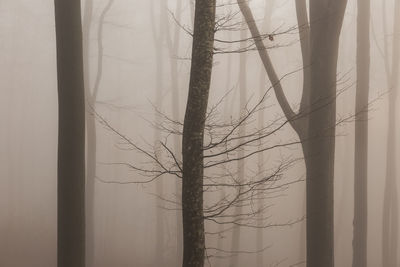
(173, 41)
(315, 122)
(390, 198)
(361, 136)
(71, 135)
(91, 95)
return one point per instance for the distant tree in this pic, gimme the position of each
(91, 131)
(268, 9)
(315, 122)
(173, 41)
(242, 74)
(361, 136)
(71, 135)
(159, 38)
(390, 222)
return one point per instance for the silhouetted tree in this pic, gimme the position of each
(193, 134)
(315, 122)
(71, 135)
(361, 136)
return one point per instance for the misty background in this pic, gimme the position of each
(125, 214)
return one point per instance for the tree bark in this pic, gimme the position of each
(71, 135)
(361, 136)
(193, 134)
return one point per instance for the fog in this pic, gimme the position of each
(142, 101)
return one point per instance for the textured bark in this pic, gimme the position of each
(71, 135)
(193, 134)
(390, 202)
(361, 136)
(315, 122)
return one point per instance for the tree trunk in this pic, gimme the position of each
(263, 77)
(173, 45)
(193, 134)
(390, 202)
(315, 123)
(71, 135)
(361, 137)
(90, 137)
(241, 132)
(159, 39)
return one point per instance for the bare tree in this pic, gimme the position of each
(193, 134)
(91, 134)
(315, 122)
(173, 41)
(71, 135)
(241, 131)
(361, 136)
(261, 117)
(390, 202)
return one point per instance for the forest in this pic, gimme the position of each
(199, 133)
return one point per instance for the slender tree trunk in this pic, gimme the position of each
(90, 137)
(91, 134)
(71, 135)
(193, 134)
(159, 39)
(390, 202)
(361, 137)
(242, 131)
(263, 78)
(173, 45)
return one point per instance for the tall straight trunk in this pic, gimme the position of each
(91, 134)
(242, 131)
(316, 119)
(90, 137)
(71, 135)
(390, 203)
(193, 134)
(228, 110)
(361, 136)
(159, 39)
(263, 78)
(173, 46)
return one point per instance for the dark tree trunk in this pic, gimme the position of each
(390, 202)
(71, 135)
(316, 120)
(193, 134)
(361, 136)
